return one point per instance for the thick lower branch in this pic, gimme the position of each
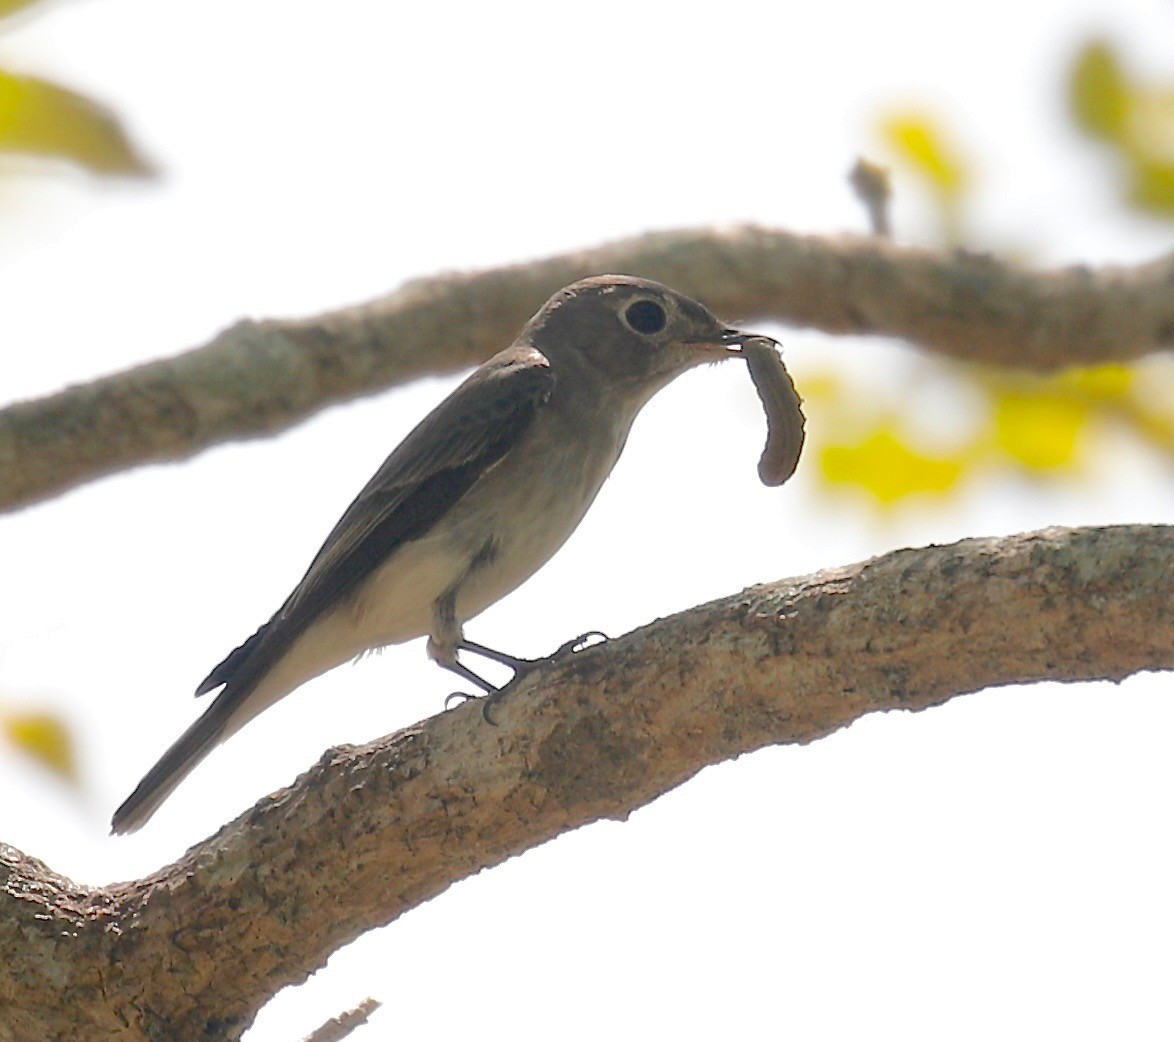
(260, 377)
(372, 831)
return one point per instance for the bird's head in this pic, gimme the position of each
(637, 334)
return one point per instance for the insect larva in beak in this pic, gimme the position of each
(783, 408)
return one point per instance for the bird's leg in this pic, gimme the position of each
(492, 694)
(444, 642)
(447, 658)
(448, 638)
(520, 666)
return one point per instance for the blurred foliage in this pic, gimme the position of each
(885, 464)
(8, 7)
(44, 737)
(1098, 94)
(40, 119)
(919, 142)
(1039, 427)
(1133, 118)
(881, 441)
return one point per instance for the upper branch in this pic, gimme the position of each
(371, 831)
(259, 377)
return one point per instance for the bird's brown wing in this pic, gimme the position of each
(431, 469)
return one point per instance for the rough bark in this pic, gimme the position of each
(256, 378)
(194, 950)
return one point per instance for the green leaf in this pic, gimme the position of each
(8, 7)
(1095, 383)
(1099, 93)
(44, 737)
(1153, 188)
(40, 119)
(1134, 118)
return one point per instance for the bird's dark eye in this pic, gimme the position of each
(645, 316)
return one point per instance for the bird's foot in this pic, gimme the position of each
(520, 666)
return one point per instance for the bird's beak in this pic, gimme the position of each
(731, 341)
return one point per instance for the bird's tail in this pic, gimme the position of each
(190, 748)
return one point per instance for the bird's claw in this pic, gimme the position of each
(581, 643)
(460, 696)
(488, 702)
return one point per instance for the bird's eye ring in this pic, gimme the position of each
(645, 316)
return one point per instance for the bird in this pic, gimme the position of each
(477, 497)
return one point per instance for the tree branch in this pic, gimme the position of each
(195, 950)
(256, 378)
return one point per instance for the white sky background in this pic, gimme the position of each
(996, 868)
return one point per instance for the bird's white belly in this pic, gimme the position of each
(530, 526)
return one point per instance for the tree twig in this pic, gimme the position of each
(337, 1028)
(194, 950)
(874, 189)
(256, 378)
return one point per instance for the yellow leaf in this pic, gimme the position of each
(46, 738)
(1040, 431)
(40, 119)
(919, 141)
(885, 466)
(1098, 92)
